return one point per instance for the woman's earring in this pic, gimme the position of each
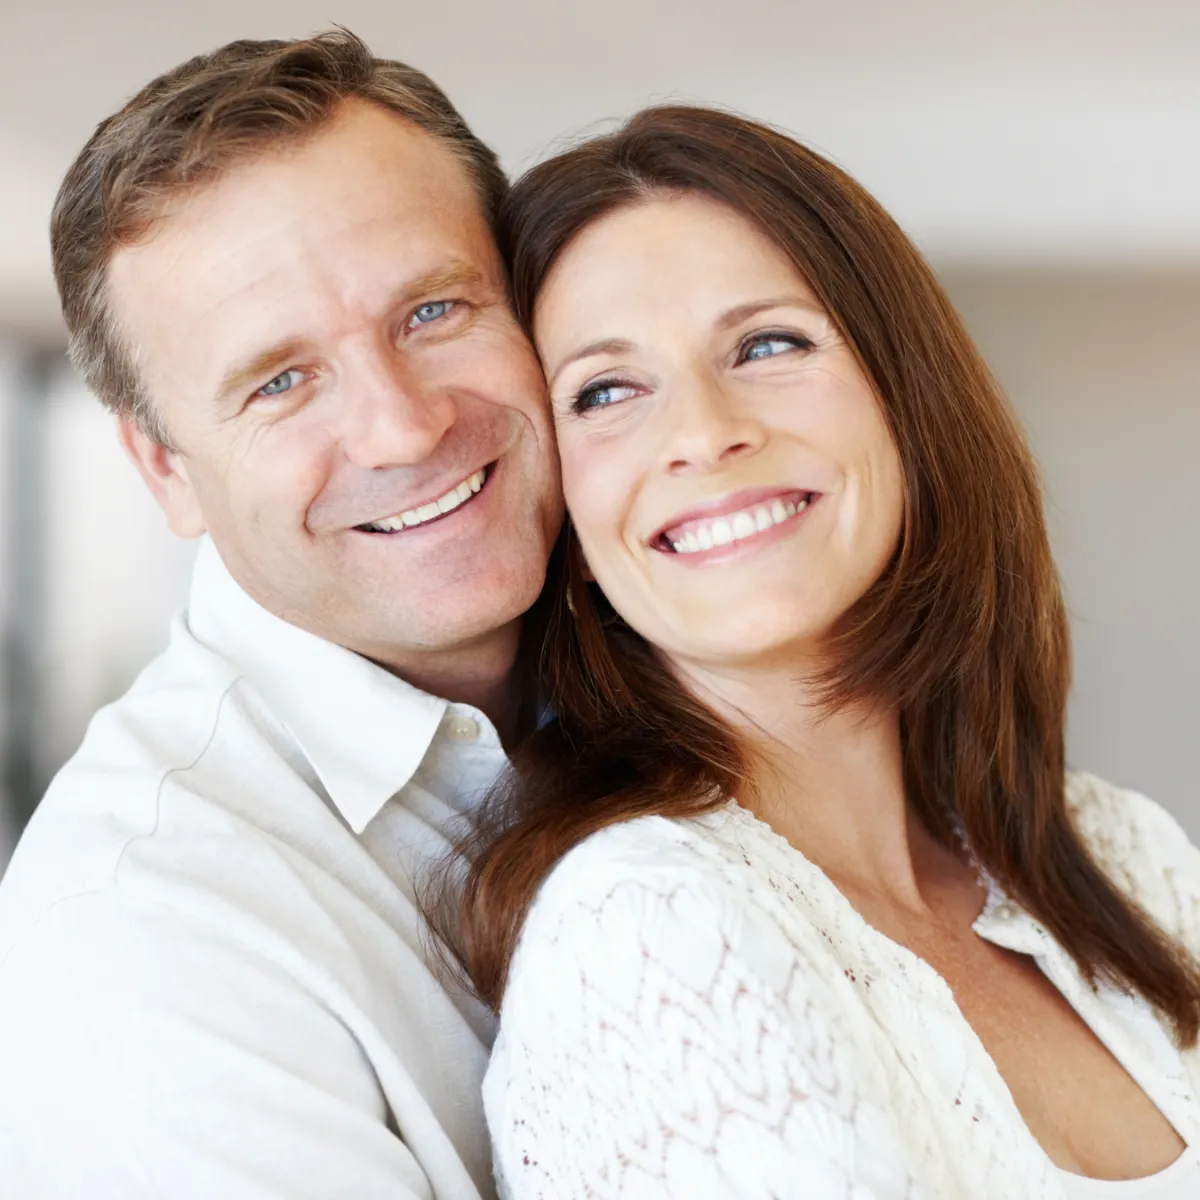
(571, 603)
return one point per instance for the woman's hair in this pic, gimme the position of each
(965, 633)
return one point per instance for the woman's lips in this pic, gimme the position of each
(732, 519)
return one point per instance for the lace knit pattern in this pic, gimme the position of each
(695, 1011)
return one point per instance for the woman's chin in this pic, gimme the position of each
(795, 650)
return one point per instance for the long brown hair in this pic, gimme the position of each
(965, 633)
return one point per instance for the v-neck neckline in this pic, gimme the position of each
(1003, 922)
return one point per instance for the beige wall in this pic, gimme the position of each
(1104, 368)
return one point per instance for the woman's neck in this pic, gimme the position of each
(831, 783)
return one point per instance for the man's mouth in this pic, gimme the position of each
(462, 493)
(710, 533)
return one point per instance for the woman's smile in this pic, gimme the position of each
(742, 523)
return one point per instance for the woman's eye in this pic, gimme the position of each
(427, 313)
(281, 383)
(769, 345)
(602, 395)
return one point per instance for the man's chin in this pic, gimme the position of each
(390, 607)
(429, 616)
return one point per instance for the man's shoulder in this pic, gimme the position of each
(172, 761)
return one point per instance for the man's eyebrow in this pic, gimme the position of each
(592, 350)
(455, 274)
(265, 364)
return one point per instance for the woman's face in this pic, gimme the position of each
(725, 461)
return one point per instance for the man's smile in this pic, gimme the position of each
(432, 510)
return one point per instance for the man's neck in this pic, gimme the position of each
(484, 674)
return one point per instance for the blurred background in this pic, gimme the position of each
(1045, 154)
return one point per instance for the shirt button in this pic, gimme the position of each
(463, 729)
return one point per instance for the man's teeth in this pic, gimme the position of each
(722, 530)
(435, 508)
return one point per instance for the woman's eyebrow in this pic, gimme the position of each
(591, 350)
(730, 317)
(743, 312)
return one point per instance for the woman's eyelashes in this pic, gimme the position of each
(601, 394)
(771, 344)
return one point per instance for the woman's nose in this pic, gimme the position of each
(707, 426)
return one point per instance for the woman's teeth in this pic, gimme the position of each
(434, 509)
(721, 531)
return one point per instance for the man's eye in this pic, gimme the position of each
(427, 313)
(281, 383)
(601, 395)
(769, 345)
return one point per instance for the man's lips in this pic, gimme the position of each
(730, 519)
(453, 498)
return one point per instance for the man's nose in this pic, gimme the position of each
(393, 415)
(707, 425)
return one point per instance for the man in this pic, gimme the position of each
(277, 268)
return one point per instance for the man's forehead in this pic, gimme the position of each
(345, 218)
(365, 169)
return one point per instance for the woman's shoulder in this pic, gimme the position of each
(693, 900)
(648, 858)
(1143, 849)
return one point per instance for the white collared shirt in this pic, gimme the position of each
(213, 983)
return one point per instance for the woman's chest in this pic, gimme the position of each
(1084, 1108)
(970, 1051)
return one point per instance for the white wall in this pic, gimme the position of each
(10, 376)
(1104, 368)
(1048, 130)
(114, 572)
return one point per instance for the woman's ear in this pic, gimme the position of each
(575, 554)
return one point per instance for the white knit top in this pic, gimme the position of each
(694, 1010)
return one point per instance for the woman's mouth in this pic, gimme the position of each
(702, 533)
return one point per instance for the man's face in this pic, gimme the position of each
(354, 415)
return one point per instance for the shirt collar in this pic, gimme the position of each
(364, 731)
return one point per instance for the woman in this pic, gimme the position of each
(794, 897)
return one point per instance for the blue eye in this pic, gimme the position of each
(770, 345)
(601, 395)
(281, 383)
(432, 311)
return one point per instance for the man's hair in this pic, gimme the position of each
(183, 130)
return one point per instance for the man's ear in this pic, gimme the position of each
(165, 474)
